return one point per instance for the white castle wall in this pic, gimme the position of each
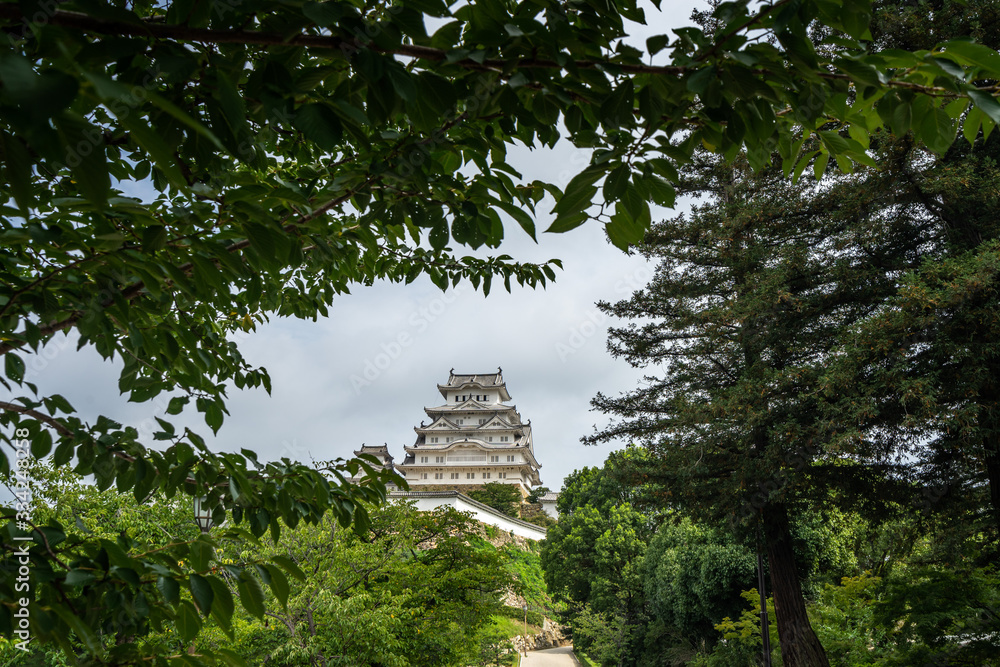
(427, 501)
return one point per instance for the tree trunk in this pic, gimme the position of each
(988, 421)
(800, 646)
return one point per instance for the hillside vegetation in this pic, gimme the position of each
(417, 589)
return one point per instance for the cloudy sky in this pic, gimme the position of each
(364, 374)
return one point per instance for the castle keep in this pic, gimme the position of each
(475, 437)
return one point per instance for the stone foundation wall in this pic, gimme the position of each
(551, 636)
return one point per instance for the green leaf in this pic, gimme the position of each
(439, 236)
(279, 584)
(202, 591)
(187, 622)
(154, 238)
(860, 72)
(169, 589)
(289, 566)
(623, 230)
(616, 182)
(657, 43)
(63, 454)
(84, 154)
(973, 121)
(936, 129)
(214, 415)
(565, 223)
(835, 143)
(18, 171)
(819, 166)
(324, 14)
(222, 602)
(41, 444)
(579, 194)
(521, 216)
(251, 594)
(617, 109)
(82, 630)
(14, 367)
(78, 578)
(320, 124)
(660, 190)
(153, 143)
(986, 103)
(974, 54)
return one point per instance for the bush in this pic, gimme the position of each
(543, 520)
(534, 617)
(502, 497)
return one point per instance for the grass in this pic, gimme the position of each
(584, 660)
(513, 628)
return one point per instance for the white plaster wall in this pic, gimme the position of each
(480, 512)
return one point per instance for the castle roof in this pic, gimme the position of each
(378, 451)
(480, 380)
(474, 406)
(443, 424)
(521, 446)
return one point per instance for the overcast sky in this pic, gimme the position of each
(364, 374)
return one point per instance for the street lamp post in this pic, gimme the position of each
(765, 626)
(202, 514)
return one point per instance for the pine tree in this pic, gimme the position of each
(737, 327)
(924, 370)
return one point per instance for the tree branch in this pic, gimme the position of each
(83, 22)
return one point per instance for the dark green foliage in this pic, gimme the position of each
(502, 497)
(618, 481)
(592, 559)
(535, 618)
(540, 519)
(418, 589)
(690, 575)
(537, 493)
(942, 616)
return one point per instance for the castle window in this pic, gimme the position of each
(438, 459)
(486, 475)
(454, 475)
(510, 459)
(502, 475)
(470, 475)
(423, 459)
(491, 438)
(423, 475)
(438, 475)
(494, 459)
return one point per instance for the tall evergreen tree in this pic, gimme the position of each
(811, 337)
(926, 366)
(737, 327)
